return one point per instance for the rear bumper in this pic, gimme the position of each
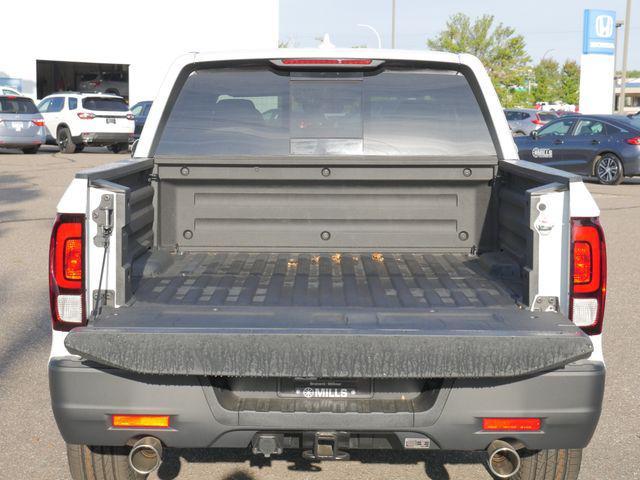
(21, 142)
(83, 396)
(99, 139)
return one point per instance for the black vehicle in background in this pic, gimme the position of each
(140, 111)
(604, 146)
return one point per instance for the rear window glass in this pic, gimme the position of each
(634, 121)
(100, 104)
(88, 76)
(255, 111)
(547, 117)
(17, 105)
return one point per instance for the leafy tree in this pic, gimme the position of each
(570, 82)
(500, 49)
(547, 81)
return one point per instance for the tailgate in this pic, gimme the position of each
(337, 343)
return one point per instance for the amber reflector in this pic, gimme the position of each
(140, 421)
(511, 424)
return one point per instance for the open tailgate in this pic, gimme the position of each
(353, 343)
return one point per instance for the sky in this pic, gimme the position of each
(550, 27)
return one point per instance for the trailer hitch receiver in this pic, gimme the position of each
(326, 446)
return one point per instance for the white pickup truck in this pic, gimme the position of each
(327, 250)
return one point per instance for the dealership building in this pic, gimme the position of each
(130, 45)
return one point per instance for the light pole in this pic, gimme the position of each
(625, 55)
(374, 31)
(547, 53)
(619, 24)
(393, 23)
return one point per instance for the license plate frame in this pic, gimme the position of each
(325, 388)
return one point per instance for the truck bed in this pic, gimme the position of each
(377, 315)
(383, 280)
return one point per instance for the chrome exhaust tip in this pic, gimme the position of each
(146, 455)
(504, 460)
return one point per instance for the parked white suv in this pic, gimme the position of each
(74, 120)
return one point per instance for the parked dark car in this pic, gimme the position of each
(140, 111)
(604, 146)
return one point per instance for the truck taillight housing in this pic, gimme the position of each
(66, 272)
(588, 274)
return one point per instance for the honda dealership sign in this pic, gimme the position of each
(597, 62)
(599, 32)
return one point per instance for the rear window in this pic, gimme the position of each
(17, 105)
(254, 111)
(100, 104)
(547, 117)
(88, 76)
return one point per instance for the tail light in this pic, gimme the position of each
(66, 272)
(38, 123)
(537, 120)
(86, 115)
(130, 116)
(588, 275)
(326, 61)
(633, 141)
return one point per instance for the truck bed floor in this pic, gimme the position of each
(382, 280)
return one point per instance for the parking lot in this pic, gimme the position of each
(30, 445)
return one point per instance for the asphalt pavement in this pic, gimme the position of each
(31, 447)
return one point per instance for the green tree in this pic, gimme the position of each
(547, 81)
(500, 49)
(570, 82)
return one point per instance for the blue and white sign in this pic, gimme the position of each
(599, 34)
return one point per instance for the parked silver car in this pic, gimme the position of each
(116, 83)
(523, 121)
(21, 125)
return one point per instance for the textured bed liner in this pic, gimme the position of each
(386, 280)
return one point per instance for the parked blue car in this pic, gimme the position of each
(604, 146)
(140, 111)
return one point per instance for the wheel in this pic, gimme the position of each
(609, 170)
(31, 150)
(113, 91)
(100, 463)
(118, 147)
(65, 143)
(549, 465)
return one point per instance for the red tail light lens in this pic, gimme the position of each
(130, 116)
(38, 123)
(588, 274)
(633, 141)
(66, 267)
(537, 120)
(86, 115)
(326, 61)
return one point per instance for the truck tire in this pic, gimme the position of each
(100, 463)
(561, 464)
(65, 143)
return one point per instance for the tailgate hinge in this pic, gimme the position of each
(103, 216)
(545, 304)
